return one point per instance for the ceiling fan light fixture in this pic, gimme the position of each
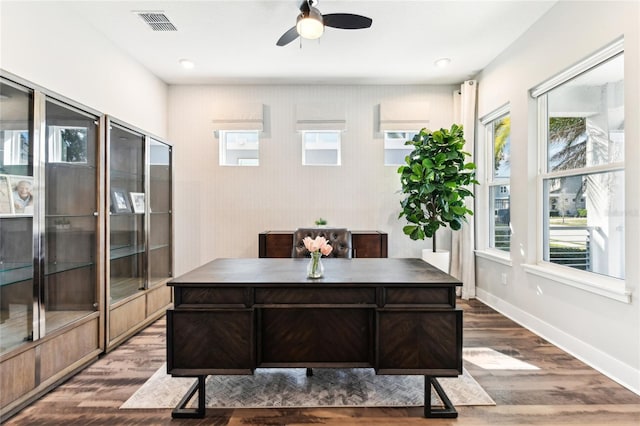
(310, 26)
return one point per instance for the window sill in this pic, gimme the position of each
(497, 256)
(612, 288)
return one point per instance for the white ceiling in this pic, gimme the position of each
(235, 41)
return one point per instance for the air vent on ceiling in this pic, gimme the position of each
(157, 20)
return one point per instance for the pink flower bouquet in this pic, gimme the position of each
(317, 247)
(318, 244)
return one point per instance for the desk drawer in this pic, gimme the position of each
(431, 296)
(208, 341)
(419, 342)
(315, 295)
(209, 296)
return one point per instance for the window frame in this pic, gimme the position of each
(409, 134)
(490, 181)
(223, 150)
(338, 149)
(594, 282)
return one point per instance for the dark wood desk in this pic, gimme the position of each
(397, 316)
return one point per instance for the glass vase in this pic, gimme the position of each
(315, 268)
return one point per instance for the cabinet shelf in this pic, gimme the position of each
(158, 246)
(118, 252)
(15, 272)
(69, 216)
(58, 267)
(125, 175)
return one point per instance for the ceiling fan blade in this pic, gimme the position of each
(288, 37)
(346, 21)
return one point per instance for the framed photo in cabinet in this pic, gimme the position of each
(6, 205)
(21, 194)
(119, 201)
(137, 201)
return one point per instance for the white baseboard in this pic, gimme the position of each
(594, 357)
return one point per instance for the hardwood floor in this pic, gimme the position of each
(564, 391)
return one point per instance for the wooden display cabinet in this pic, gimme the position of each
(139, 228)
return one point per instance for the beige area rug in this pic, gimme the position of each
(290, 387)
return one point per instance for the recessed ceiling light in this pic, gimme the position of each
(442, 62)
(186, 64)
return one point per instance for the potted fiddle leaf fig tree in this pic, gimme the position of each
(435, 182)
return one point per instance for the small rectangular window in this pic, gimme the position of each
(321, 148)
(395, 150)
(239, 148)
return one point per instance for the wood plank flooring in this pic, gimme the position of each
(563, 392)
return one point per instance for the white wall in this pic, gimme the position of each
(599, 330)
(221, 209)
(47, 47)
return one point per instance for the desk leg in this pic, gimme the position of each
(181, 412)
(448, 411)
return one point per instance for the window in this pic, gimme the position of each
(15, 147)
(67, 144)
(321, 148)
(581, 138)
(498, 174)
(239, 148)
(395, 149)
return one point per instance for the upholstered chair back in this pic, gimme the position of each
(338, 238)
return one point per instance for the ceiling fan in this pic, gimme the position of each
(310, 23)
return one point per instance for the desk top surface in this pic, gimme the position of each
(258, 271)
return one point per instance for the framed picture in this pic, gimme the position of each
(6, 205)
(137, 201)
(22, 194)
(119, 201)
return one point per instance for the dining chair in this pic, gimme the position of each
(338, 238)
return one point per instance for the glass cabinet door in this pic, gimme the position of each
(127, 212)
(71, 205)
(160, 194)
(17, 199)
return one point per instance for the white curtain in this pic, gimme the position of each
(463, 265)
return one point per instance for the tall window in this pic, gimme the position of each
(498, 177)
(395, 149)
(321, 148)
(239, 148)
(582, 171)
